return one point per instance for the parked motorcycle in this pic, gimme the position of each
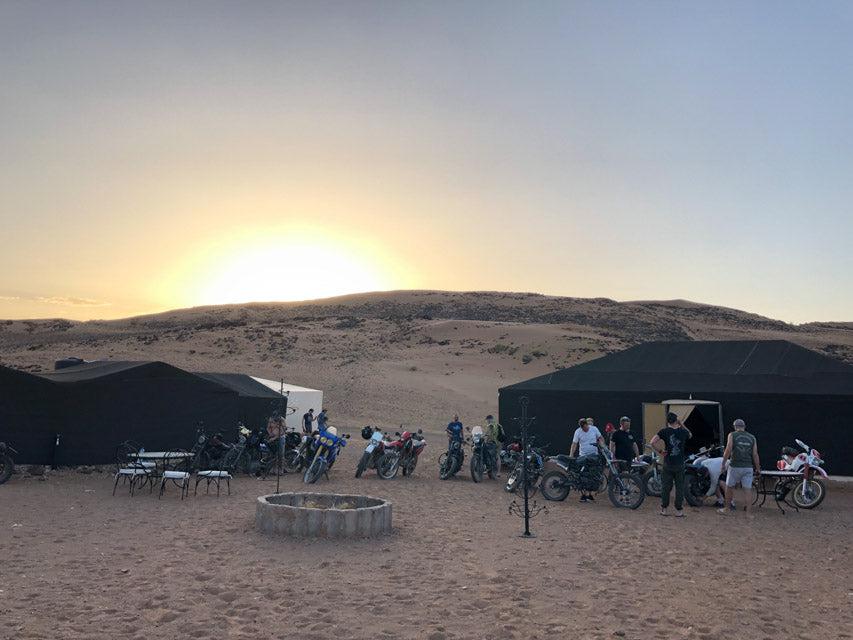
(299, 454)
(377, 454)
(328, 447)
(412, 445)
(807, 489)
(535, 466)
(702, 472)
(648, 466)
(450, 462)
(483, 456)
(587, 473)
(402, 453)
(7, 464)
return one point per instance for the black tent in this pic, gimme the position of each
(256, 401)
(27, 419)
(96, 405)
(782, 390)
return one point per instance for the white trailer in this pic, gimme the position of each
(299, 400)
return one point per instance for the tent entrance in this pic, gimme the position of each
(704, 419)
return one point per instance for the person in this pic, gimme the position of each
(587, 439)
(275, 434)
(742, 455)
(454, 430)
(308, 422)
(322, 420)
(623, 446)
(671, 443)
(494, 437)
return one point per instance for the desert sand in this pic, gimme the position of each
(79, 563)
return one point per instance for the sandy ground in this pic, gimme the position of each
(79, 563)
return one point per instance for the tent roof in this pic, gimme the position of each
(275, 385)
(103, 369)
(243, 384)
(749, 366)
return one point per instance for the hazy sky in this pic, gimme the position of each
(155, 155)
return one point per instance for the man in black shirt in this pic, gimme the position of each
(308, 422)
(671, 442)
(622, 443)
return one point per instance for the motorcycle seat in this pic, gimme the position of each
(562, 458)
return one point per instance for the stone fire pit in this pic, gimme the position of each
(322, 515)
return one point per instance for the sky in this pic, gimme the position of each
(169, 154)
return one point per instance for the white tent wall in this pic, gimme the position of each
(299, 398)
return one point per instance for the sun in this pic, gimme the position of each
(287, 269)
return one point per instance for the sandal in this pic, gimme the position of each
(664, 513)
(679, 514)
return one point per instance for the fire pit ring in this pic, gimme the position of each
(322, 515)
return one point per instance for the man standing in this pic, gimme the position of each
(622, 443)
(322, 419)
(494, 437)
(454, 430)
(671, 442)
(587, 438)
(308, 422)
(742, 450)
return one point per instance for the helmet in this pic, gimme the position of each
(367, 433)
(332, 431)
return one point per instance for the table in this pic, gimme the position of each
(779, 477)
(161, 458)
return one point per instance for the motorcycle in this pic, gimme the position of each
(402, 453)
(648, 466)
(7, 464)
(702, 473)
(299, 453)
(412, 445)
(482, 456)
(450, 462)
(535, 466)
(328, 446)
(377, 454)
(808, 490)
(587, 473)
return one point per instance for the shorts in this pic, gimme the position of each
(740, 475)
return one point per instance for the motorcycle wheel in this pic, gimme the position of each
(362, 464)
(692, 493)
(6, 468)
(651, 484)
(476, 468)
(291, 461)
(388, 466)
(409, 467)
(512, 481)
(554, 487)
(313, 473)
(808, 496)
(626, 490)
(445, 466)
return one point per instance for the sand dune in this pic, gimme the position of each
(409, 357)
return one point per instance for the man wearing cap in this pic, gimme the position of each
(742, 452)
(623, 446)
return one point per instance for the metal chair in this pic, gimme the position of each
(221, 472)
(176, 472)
(132, 471)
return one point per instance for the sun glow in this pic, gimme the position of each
(287, 269)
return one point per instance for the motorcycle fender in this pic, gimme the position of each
(554, 465)
(820, 471)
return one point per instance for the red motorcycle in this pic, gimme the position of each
(408, 447)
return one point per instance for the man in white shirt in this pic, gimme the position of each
(588, 438)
